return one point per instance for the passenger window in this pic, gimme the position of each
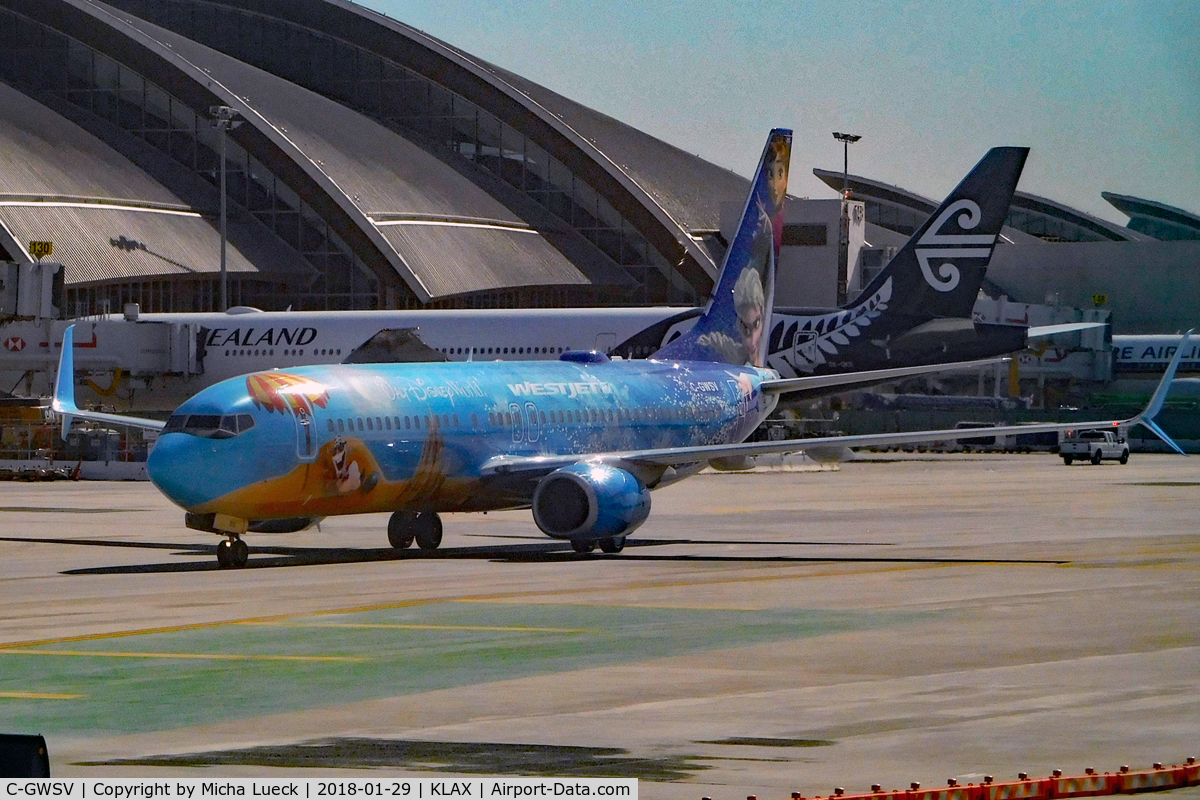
(407, 424)
(387, 423)
(341, 427)
(332, 429)
(369, 424)
(542, 416)
(445, 420)
(455, 420)
(427, 425)
(360, 424)
(474, 420)
(378, 424)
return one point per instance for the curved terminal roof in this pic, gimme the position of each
(1156, 219)
(371, 173)
(670, 196)
(1030, 217)
(107, 218)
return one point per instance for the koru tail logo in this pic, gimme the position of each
(934, 244)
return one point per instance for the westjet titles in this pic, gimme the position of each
(571, 390)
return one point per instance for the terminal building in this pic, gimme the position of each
(374, 166)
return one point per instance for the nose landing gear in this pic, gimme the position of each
(232, 553)
(425, 527)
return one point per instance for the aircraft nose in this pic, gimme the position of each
(178, 467)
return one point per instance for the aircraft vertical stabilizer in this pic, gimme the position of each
(733, 328)
(939, 270)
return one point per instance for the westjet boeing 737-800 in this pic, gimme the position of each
(581, 440)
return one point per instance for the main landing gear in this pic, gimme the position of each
(232, 553)
(613, 545)
(425, 527)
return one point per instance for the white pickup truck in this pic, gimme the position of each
(1093, 446)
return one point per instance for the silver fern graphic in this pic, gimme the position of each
(815, 339)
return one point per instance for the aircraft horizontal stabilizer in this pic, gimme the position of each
(64, 395)
(1040, 331)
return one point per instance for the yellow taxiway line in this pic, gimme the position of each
(404, 626)
(206, 656)
(38, 696)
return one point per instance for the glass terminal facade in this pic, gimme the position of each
(423, 110)
(40, 60)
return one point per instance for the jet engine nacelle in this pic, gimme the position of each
(590, 501)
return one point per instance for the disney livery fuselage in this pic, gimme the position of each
(343, 439)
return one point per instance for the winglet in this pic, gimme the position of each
(64, 387)
(1160, 396)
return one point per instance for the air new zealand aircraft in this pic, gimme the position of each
(917, 310)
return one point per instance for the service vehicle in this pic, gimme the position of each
(1094, 446)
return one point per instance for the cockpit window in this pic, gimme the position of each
(210, 426)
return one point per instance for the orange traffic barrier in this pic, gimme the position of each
(950, 792)
(1150, 780)
(1021, 789)
(1091, 784)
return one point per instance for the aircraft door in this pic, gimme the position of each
(605, 342)
(518, 427)
(306, 435)
(532, 427)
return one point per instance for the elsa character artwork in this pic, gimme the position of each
(749, 302)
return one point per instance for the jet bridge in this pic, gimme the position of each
(114, 357)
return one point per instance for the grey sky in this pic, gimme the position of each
(1106, 93)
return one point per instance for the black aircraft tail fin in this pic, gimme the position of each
(939, 270)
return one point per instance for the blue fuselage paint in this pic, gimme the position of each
(341, 439)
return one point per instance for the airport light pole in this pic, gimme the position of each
(224, 119)
(846, 139)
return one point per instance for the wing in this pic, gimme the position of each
(64, 394)
(682, 456)
(852, 380)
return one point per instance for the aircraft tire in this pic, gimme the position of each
(614, 545)
(583, 545)
(1124, 459)
(239, 553)
(1096, 458)
(223, 554)
(428, 527)
(400, 531)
